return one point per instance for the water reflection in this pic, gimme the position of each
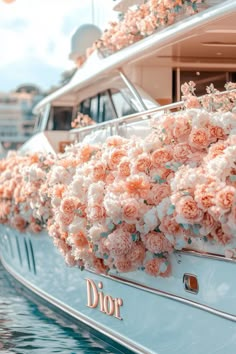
(29, 327)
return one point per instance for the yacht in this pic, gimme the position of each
(188, 305)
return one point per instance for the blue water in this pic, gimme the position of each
(28, 326)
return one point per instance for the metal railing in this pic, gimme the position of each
(140, 116)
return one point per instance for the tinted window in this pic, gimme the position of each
(122, 105)
(60, 118)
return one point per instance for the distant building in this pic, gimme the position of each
(16, 116)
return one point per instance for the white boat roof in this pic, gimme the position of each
(96, 68)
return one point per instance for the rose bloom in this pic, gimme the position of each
(182, 152)
(219, 235)
(115, 158)
(137, 253)
(187, 210)
(124, 168)
(199, 138)
(35, 227)
(224, 198)
(99, 171)
(182, 128)
(143, 163)
(85, 152)
(99, 265)
(161, 156)
(208, 224)
(152, 267)
(216, 132)
(216, 150)
(203, 197)
(137, 185)
(66, 219)
(158, 192)
(115, 140)
(123, 264)
(156, 242)
(79, 239)
(130, 210)
(19, 223)
(68, 205)
(170, 226)
(96, 212)
(192, 102)
(119, 242)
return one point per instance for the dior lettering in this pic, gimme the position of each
(106, 303)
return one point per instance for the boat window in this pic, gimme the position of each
(122, 103)
(204, 78)
(98, 107)
(60, 118)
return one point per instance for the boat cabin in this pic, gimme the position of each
(147, 74)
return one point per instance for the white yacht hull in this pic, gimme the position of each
(156, 315)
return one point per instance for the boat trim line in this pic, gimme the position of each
(82, 318)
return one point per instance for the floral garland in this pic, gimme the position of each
(141, 21)
(127, 204)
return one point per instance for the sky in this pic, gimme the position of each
(35, 38)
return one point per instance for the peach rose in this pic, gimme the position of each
(66, 218)
(161, 156)
(143, 163)
(199, 138)
(182, 128)
(123, 264)
(137, 185)
(124, 168)
(224, 198)
(219, 235)
(216, 132)
(130, 210)
(137, 253)
(99, 265)
(153, 266)
(204, 198)
(188, 211)
(170, 226)
(19, 223)
(158, 192)
(115, 158)
(156, 242)
(68, 205)
(99, 171)
(119, 243)
(208, 224)
(182, 152)
(79, 239)
(85, 153)
(96, 212)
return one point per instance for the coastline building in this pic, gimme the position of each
(16, 117)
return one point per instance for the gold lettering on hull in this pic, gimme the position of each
(106, 303)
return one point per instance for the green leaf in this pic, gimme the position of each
(189, 241)
(171, 209)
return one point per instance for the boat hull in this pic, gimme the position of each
(144, 314)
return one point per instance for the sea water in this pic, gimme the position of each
(29, 326)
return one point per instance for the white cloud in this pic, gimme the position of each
(42, 29)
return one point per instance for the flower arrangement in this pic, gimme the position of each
(143, 20)
(82, 120)
(128, 204)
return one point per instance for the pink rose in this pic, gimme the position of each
(199, 138)
(182, 152)
(187, 211)
(130, 210)
(161, 156)
(224, 198)
(153, 266)
(158, 192)
(156, 242)
(119, 242)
